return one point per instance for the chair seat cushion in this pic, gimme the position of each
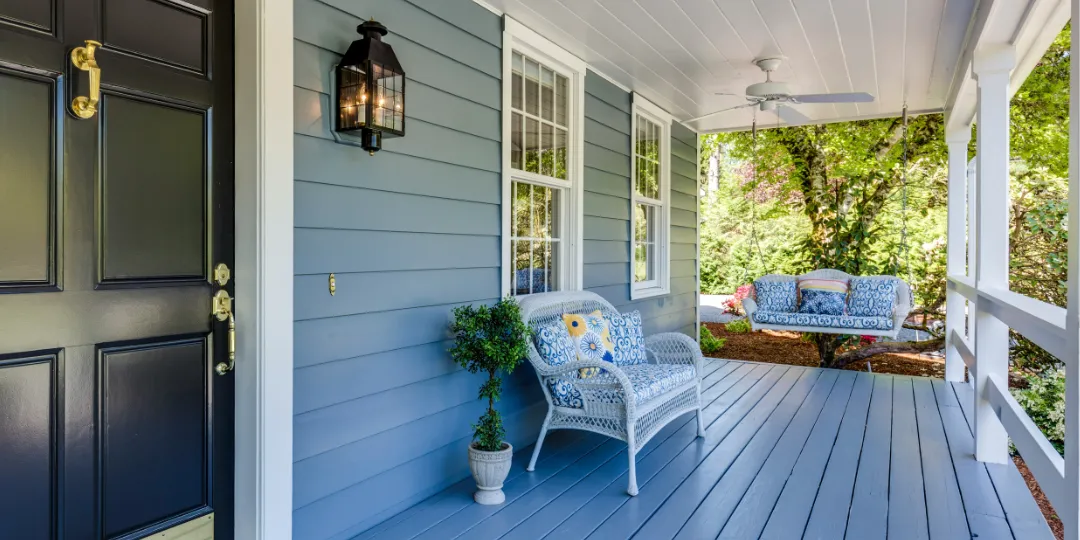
(824, 321)
(648, 381)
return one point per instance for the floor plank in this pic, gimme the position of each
(944, 505)
(869, 513)
(608, 507)
(828, 516)
(907, 501)
(789, 494)
(670, 517)
(769, 457)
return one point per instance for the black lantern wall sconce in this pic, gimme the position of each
(370, 89)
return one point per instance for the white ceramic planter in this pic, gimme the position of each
(489, 469)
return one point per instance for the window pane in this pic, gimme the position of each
(522, 278)
(534, 238)
(547, 156)
(641, 267)
(641, 223)
(561, 92)
(654, 179)
(645, 223)
(639, 146)
(640, 170)
(532, 145)
(560, 153)
(547, 94)
(532, 86)
(516, 83)
(520, 209)
(515, 141)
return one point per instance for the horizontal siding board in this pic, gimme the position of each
(405, 22)
(601, 181)
(677, 321)
(422, 102)
(609, 93)
(349, 464)
(336, 207)
(606, 251)
(600, 274)
(617, 294)
(327, 162)
(368, 292)
(601, 135)
(607, 114)
(606, 206)
(342, 514)
(683, 201)
(324, 340)
(322, 385)
(682, 173)
(681, 150)
(332, 30)
(683, 252)
(486, 26)
(311, 115)
(321, 251)
(683, 218)
(599, 228)
(684, 284)
(683, 234)
(683, 269)
(684, 134)
(601, 158)
(657, 306)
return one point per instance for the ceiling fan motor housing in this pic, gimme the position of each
(768, 89)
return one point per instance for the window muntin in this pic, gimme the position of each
(538, 126)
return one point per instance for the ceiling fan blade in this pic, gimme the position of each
(704, 116)
(791, 117)
(852, 97)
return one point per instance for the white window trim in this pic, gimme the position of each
(662, 284)
(517, 37)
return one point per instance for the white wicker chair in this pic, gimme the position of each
(901, 308)
(625, 419)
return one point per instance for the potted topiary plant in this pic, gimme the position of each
(491, 340)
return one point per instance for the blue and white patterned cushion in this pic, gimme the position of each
(819, 302)
(556, 348)
(826, 321)
(628, 338)
(872, 297)
(776, 296)
(648, 381)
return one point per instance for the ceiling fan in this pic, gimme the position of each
(776, 96)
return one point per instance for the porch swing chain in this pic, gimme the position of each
(904, 250)
(754, 243)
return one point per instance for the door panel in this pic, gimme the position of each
(182, 39)
(108, 229)
(155, 437)
(28, 415)
(154, 192)
(27, 230)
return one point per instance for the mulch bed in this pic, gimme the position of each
(787, 348)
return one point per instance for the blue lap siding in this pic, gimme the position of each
(382, 415)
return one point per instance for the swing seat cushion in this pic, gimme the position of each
(851, 322)
(872, 297)
(777, 296)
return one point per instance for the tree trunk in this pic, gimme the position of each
(826, 346)
(885, 347)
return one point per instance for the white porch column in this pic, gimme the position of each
(957, 248)
(1070, 515)
(992, 67)
(972, 261)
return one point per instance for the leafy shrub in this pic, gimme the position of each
(738, 326)
(1044, 402)
(710, 344)
(489, 340)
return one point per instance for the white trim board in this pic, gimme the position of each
(662, 284)
(264, 268)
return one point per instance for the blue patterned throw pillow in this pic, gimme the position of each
(555, 346)
(776, 296)
(818, 302)
(628, 339)
(872, 297)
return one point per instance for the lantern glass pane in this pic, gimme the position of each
(516, 82)
(532, 87)
(351, 88)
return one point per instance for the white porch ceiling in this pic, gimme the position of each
(680, 53)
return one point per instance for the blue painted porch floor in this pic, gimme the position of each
(790, 452)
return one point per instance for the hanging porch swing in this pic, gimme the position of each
(830, 301)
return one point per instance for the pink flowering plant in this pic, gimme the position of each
(734, 305)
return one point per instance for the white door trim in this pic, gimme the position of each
(264, 268)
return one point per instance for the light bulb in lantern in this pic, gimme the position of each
(381, 101)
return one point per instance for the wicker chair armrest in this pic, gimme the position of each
(749, 306)
(674, 348)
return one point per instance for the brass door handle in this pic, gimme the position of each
(83, 58)
(222, 311)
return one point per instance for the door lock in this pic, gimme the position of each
(222, 311)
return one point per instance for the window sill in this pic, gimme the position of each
(647, 292)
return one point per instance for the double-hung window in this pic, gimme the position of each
(542, 164)
(650, 251)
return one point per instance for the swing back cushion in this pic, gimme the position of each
(823, 296)
(872, 297)
(777, 296)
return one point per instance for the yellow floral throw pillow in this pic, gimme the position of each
(592, 339)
